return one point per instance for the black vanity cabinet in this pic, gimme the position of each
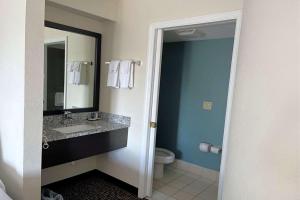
(72, 149)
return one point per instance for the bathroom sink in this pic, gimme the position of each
(76, 128)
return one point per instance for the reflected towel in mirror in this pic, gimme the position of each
(77, 73)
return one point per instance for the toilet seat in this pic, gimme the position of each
(164, 156)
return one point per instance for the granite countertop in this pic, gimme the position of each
(107, 122)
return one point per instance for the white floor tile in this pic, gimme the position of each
(158, 196)
(186, 179)
(199, 198)
(196, 187)
(207, 180)
(170, 198)
(211, 193)
(182, 196)
(181, 185)
(168, 190)
(177, 184)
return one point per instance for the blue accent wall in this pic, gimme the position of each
(193, 72)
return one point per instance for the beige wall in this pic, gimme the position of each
(98, 8)
(12, 54)
(33, 111)
(21, 87)
(131, 41)
(264, 143)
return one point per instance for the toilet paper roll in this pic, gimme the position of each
(204, 147)
(215, 150)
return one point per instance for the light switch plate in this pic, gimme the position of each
(207, 105)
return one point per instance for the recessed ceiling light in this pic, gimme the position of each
(185, 32)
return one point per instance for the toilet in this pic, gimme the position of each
(162, 157)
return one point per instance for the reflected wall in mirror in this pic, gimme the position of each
(71, 69)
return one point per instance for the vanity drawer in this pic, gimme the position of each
(67, 150)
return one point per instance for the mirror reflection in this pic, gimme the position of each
(69, 70)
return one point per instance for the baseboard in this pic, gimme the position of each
(202, 171)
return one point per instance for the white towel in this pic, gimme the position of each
(71, 73)
(59, 99)
(113, 74)
(2, 186)
(126, 74)
(3, 195)
(77, 73)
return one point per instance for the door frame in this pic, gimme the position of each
(46, 44)
(152, 93)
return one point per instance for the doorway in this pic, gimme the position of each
(54, 67)
(159, 33)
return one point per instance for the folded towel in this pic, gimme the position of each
(59, 99)
(113, 74)
(126, 74)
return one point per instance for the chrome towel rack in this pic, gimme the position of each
(136, 62)
(83, 62)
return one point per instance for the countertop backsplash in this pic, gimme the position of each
(106, 122)
(52, 120)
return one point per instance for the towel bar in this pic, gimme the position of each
(136, 62)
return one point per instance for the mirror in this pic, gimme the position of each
(71, 69)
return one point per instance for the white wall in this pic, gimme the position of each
(131, 41)
(98, 8)
(104, 27)
(60, 172)
(21, 96)
(33, 113)
(264, 143)
(12, 57)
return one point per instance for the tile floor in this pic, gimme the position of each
(181, 185)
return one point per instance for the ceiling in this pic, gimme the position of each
(203, 32)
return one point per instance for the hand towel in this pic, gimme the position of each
(71, 73)
(77, 73)
(126, 74)
(113, 74)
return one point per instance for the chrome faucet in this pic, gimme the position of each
(66, 118)
(67, 115)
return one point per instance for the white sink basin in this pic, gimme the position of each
(76, 128)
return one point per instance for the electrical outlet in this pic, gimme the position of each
(207, 105)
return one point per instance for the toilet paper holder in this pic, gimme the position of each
(209, 148)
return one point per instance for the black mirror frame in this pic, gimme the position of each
(96, 98)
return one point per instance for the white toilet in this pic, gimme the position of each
(162, 157)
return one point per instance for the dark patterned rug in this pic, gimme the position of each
(94, 186)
